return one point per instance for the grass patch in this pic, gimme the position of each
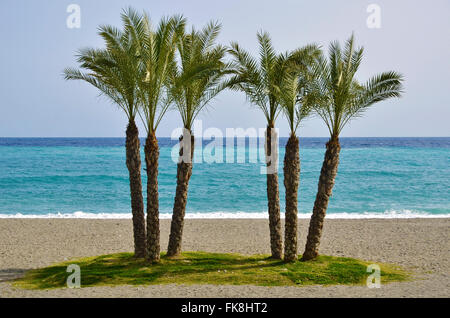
(208, 268)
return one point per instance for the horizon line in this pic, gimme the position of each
(169, 137)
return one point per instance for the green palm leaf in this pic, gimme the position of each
(336, 95)
(274, 82)
(113, 70)
(199, 74)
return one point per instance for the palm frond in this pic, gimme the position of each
(199, 74)
(275, 82)
(337, 97)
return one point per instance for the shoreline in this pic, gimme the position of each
(388, 215)
(419, 245)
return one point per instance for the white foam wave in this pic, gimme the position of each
(392, 214)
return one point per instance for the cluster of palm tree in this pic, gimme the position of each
(146, 70)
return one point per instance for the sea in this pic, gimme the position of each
(88, 178)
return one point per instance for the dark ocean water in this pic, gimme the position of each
(312, 142)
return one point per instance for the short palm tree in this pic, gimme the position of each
(339, 98)
(192, 85)
(261, 82)
(114, 72)
(294, 101)
(156, 51)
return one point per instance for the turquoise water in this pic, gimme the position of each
(377, 176)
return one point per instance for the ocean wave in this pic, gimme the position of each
(392, 214)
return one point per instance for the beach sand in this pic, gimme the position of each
(420, 245)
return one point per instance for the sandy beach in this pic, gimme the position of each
(420, 245)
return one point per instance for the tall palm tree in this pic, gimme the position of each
(192, 85)
(294, 101)
(156, 50)
(114, 72)
(340, 98)
(261, 81)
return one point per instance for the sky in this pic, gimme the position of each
(411, 38)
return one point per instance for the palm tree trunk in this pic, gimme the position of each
(137, 202)
(273, 200)
(291, 182)
(324, 191)
(184, 172)
(153, 234)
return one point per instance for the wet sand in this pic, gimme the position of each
(419, 245)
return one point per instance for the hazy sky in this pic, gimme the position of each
(37, 45)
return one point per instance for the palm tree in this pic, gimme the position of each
(294, 100)
(156, 50)
(114, 72)
(261, 82)
(192, 85)
(340, 98)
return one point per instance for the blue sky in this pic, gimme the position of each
(37, 46)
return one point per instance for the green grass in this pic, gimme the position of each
(208, 268)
